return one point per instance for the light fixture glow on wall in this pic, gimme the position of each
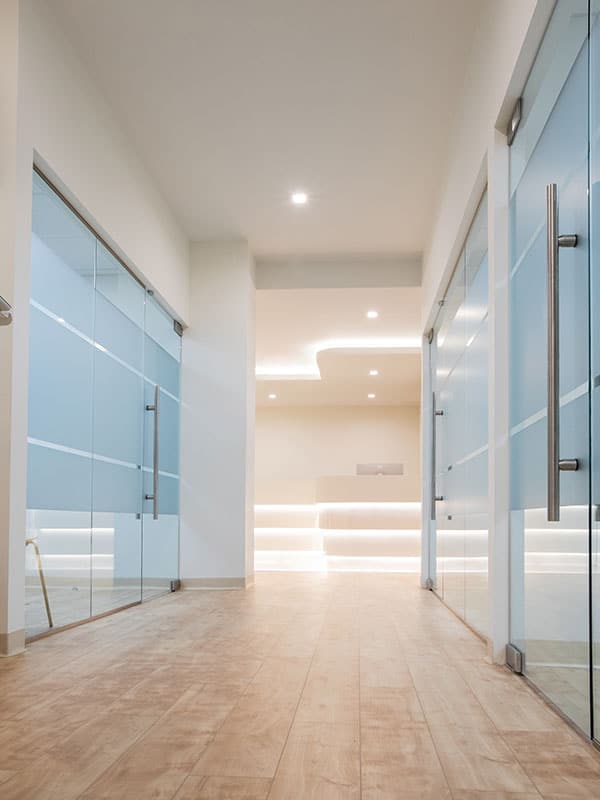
(299, 198)
(272, 397)
(372, 314)
(371, 396)
(373, 372)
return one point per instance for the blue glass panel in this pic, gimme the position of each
(60, 384)
(549, 598)
(159, 327)
(119, 287)
(116, 333)
(460, 377)
(118, 410)
(476, 401)
(58, 480)
(160, 367)
(595, 345)
(116, 488)
(63, 256)
(118, 437)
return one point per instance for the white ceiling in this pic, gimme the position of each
(317, 346)
(345, 381)
(234, 103)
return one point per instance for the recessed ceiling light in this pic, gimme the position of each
(372, 314)
(272, 397)
(371, 396)
(299, 198)
(373, 372)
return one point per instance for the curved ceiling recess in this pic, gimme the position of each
(310, 369)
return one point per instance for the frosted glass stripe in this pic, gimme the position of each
(567, 398)
(72, 329)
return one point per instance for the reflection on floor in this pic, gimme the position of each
(464, 588)
(319, 561)
(73, 603)
(339, 685)
(561, 671)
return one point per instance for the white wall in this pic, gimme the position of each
(313, 512)
(502, 53)
(297, 445)
(217, 419)
(337, 273)
(77, 140)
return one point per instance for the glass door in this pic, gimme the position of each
(103, 455)
(58, 538)
(549, 369)
(162, 356)
(594, 195)
(459, 364)
(117, 413)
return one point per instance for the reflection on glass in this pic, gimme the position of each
(551, 585)
(460, 366)
(549, 561)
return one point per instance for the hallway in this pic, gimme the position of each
(305, 686)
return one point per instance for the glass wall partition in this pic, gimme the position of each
(103, 474)
(594, 378)
(459, 358)
(549, 369)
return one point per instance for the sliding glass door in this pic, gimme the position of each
(162, 348)
(103, 474)
(58, 542)
(549, 369)
(459, 359)
(594, 377)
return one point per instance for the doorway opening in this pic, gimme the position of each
(338, 476)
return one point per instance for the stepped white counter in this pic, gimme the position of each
(338, 522)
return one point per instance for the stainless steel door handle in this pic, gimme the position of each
(433, 457)
(553, 243)
(155, 476)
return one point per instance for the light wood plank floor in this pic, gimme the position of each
(305, 686)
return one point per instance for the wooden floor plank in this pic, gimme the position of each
(199, 787)
(404, 760)
(479, 760)
(324, 686)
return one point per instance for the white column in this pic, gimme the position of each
(498, 419)
(15, 225)
(217, 419)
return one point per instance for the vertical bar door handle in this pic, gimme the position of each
(433, 457)
(156, 409)
(553, 477)
(553, 243)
